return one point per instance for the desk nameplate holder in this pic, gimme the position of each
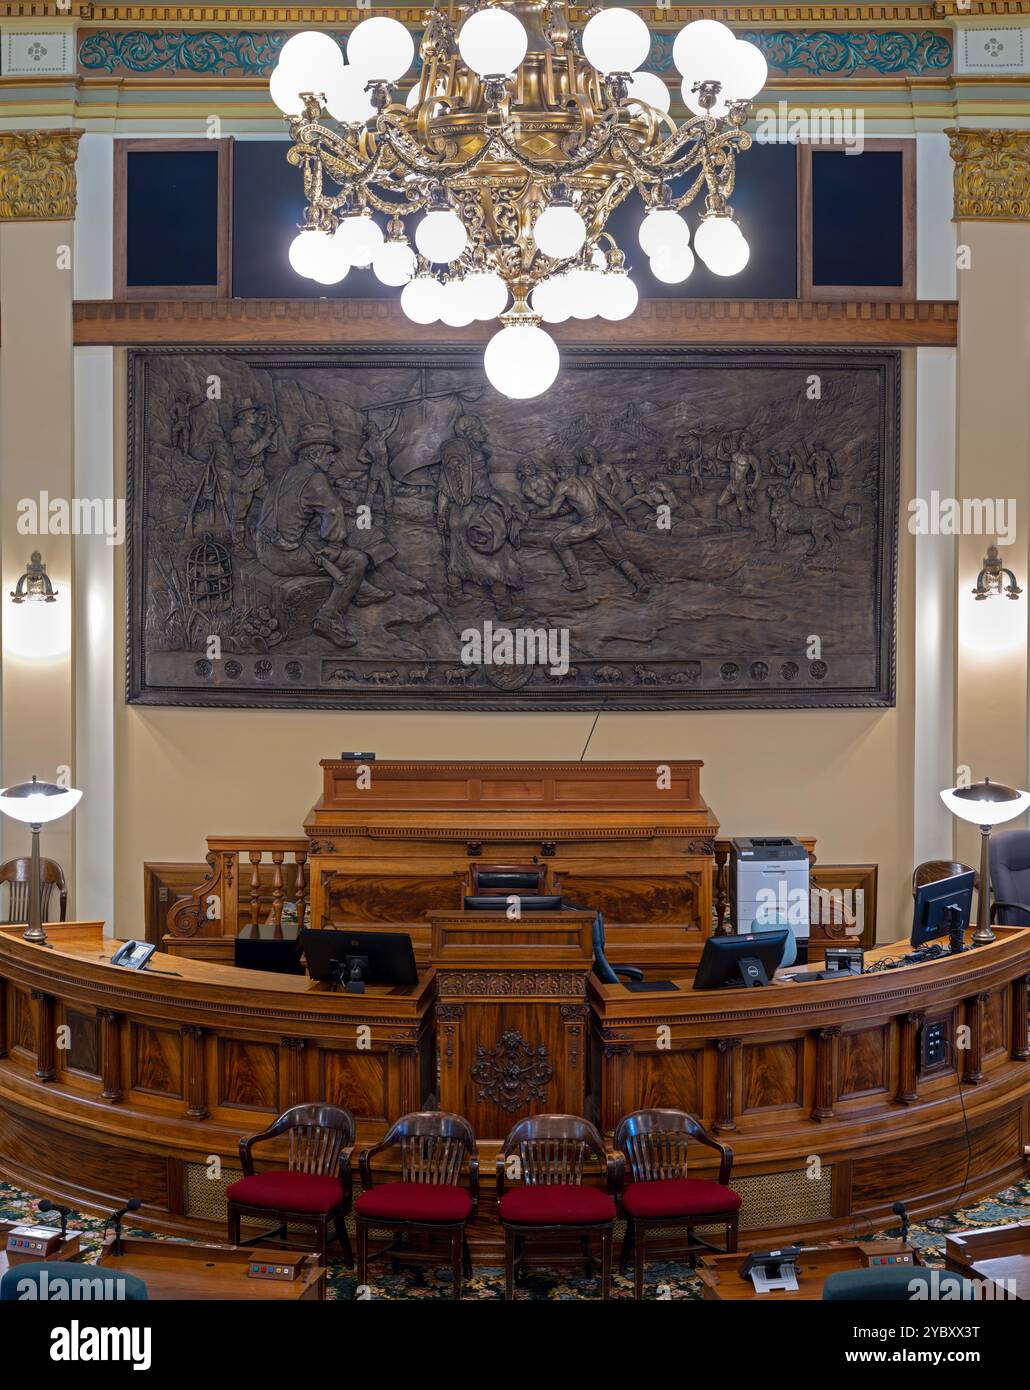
(285, 1265)
(25, 1243)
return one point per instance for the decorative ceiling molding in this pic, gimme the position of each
(825, 54)
(992, 174)
(226, 321)
(37, 175)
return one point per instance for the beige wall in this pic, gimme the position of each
(844, 776)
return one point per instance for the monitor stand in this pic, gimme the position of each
(349, 974)
(752, 971)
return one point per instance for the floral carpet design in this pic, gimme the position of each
(664, 1280)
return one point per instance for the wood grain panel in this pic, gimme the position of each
(23, 1027)
(936, 1168)
(634, 899)
(355, 1080)
(83, 1052)
(997, 1031)
(389, 898)
(490, 1106)
(771, 1075)
(248, 1074)
(156, 1060)
(81, 1162)
(667, 1080)
(863, 1062)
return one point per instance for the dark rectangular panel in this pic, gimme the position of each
(857, 218)
(171, 223)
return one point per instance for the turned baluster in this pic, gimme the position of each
(277, 891)
(300, 886)
(255, 885)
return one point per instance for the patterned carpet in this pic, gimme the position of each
(664, 1280)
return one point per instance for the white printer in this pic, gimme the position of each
(769, 883)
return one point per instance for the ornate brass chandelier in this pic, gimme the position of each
(514, 146)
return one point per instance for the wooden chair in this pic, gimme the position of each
(553, 1151)
(315, 1187)
(15, 873)
(932, 870)
(429, 1197)
(655, 1143)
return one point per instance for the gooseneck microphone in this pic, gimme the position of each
(115, 1220)
(63, 1213)
(899, 1209)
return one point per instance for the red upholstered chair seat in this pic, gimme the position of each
(415, 1201)
(557, 1205)
(679, 1197)
(288, 1191)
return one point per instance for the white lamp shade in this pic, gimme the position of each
(616, 41)
(21, 802)
(721, 245)
(457, 307)
(441, 237)
(550, 301)
(747, 72)
(492, 42)
(285, 88)
(488, 294)
(394, 263)
(672, 264)
(985, 803)
(648, 87)
(308, 250)
(346, 100)
(312, 58)
(700, 42)
(619, 296)
(359, 237)
(521, 361)
(663, 229)
(332, 264)
(559, 232)
(381, 49)
(422, 299)
(582, 290)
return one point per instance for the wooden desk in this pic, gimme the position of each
(177, 1271)
(833, 1069)
(720, 1280)
(1000, 1254)
(165, 1067)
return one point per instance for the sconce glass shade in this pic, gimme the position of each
(34, 586)
(35, 802)
(986, 802)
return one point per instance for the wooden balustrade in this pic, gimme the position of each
(216, 909)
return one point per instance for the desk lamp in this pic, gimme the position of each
(35, 803)
(985, 804)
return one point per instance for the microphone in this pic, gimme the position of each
(63, 1212)
(115, 1220)
(899, 1209)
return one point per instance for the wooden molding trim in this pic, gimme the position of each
(992, 174)
(906, 323)
(37, 175)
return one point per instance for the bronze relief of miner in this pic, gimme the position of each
(302, 530)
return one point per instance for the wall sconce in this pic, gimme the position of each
(989, 580)
(34, 586)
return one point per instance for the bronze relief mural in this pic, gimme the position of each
(379, 528)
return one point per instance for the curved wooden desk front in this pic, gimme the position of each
(116, 1083)
(820, 1090)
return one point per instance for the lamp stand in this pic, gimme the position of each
(983, 936)
(35, 931)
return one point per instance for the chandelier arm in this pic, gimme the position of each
(547, 168)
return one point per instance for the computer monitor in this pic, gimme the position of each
(275, 954)
(354, 959)
(490, 902)
(942, 905)
(727, 961)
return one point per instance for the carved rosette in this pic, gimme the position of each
(992, 174)
(519, 983)
(37, 175)
(513, 1072)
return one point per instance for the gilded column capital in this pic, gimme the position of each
(37, 175)
(992, 174)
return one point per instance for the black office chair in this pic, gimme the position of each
(899, 1284)
(1010, 878)
(607, 973)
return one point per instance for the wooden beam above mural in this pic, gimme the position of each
(892, 323)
